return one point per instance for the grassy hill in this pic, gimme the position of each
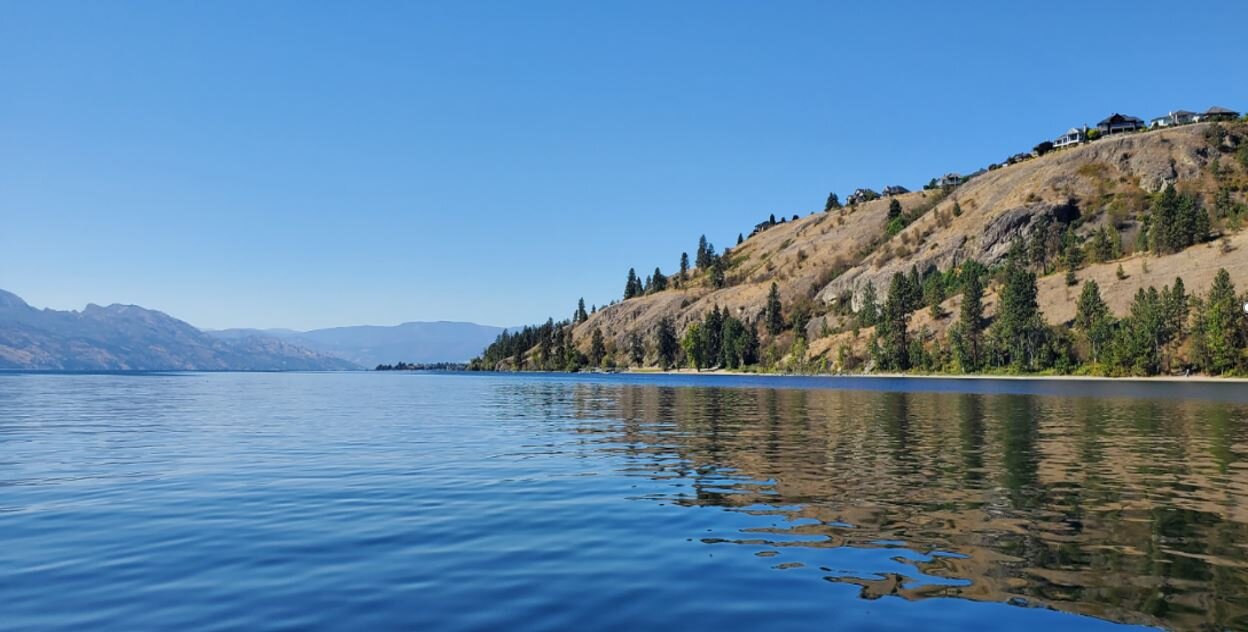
(1054, 208)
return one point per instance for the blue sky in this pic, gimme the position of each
(310, 164)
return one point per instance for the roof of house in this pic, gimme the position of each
(1182, 113)
(1120, 118)
(1074, 131)
(1220, 110)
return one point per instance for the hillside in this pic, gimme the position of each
(371, 345)
(131, 338)
(823, 263)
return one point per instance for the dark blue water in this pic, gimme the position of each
(387, 501)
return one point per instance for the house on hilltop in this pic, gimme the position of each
(1216, 113)
(861, 195)
(1120, 123)
(895, 189)
(1073, 136)
(1177, 117)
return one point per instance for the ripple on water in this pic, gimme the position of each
(550, 502)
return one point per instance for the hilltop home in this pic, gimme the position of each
(1178, 117)
(1216, 113)
(895, 189)
(1120, 123)
(1017, 158)
(861, 195)
(1073, 136)
(950, 180)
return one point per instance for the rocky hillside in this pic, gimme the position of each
(131, 338)
(823, 263)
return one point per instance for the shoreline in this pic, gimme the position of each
(1176, 379)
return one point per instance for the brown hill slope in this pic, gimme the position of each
(821, 261)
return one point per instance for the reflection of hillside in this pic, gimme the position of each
(1129, 510)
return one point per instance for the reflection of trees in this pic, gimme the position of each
(1123, 509)
(971, 433)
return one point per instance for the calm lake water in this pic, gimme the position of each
(382, 500)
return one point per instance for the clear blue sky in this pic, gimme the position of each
(308, 164)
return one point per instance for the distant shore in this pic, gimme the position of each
(1193, 379)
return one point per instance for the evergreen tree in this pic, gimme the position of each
(1221, 336)
(713, 336)
(719, 270)
(632, 287)
(894, 209)
(694, 345)
(1018, 329)
(740, 239)
(934, 294)
(957, 209)
(1139, 337)
(597, 348)
(684, 265)
(1092, 317)
(891, 330)
(581, 316)
(704, 253)
(869, 313)
(833, 202)
(1176, 221)
(636, 349)
(914, 290)
(775, 319)
(1175, 305)
(658, 282)
(968, 346)
(666, 345)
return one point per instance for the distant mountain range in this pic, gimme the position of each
(371, 345)
(132, 338)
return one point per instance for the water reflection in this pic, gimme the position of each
(1130, 510)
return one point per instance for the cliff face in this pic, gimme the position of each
(826, 258)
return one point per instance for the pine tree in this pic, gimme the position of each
(1176, 221)
(636, 349)
(581, 316)
(775, 319)
(666, 345)
(894, 209)
(833, 202)
(632, 287)
(658, 282)
(968, 333)
(684, 265)
(1221, 328)
(1092, 317)
(869, 313)
(1140, 336)
(719, 271)
(597, 348)
(1018, 328)
(740, 239)
(914, 290)
(892, 328)
(694, 345)
(704, 253)
(713, 336)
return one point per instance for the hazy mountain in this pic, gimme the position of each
(370, 345)
(128, 337)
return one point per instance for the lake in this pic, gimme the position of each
(555, 502)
